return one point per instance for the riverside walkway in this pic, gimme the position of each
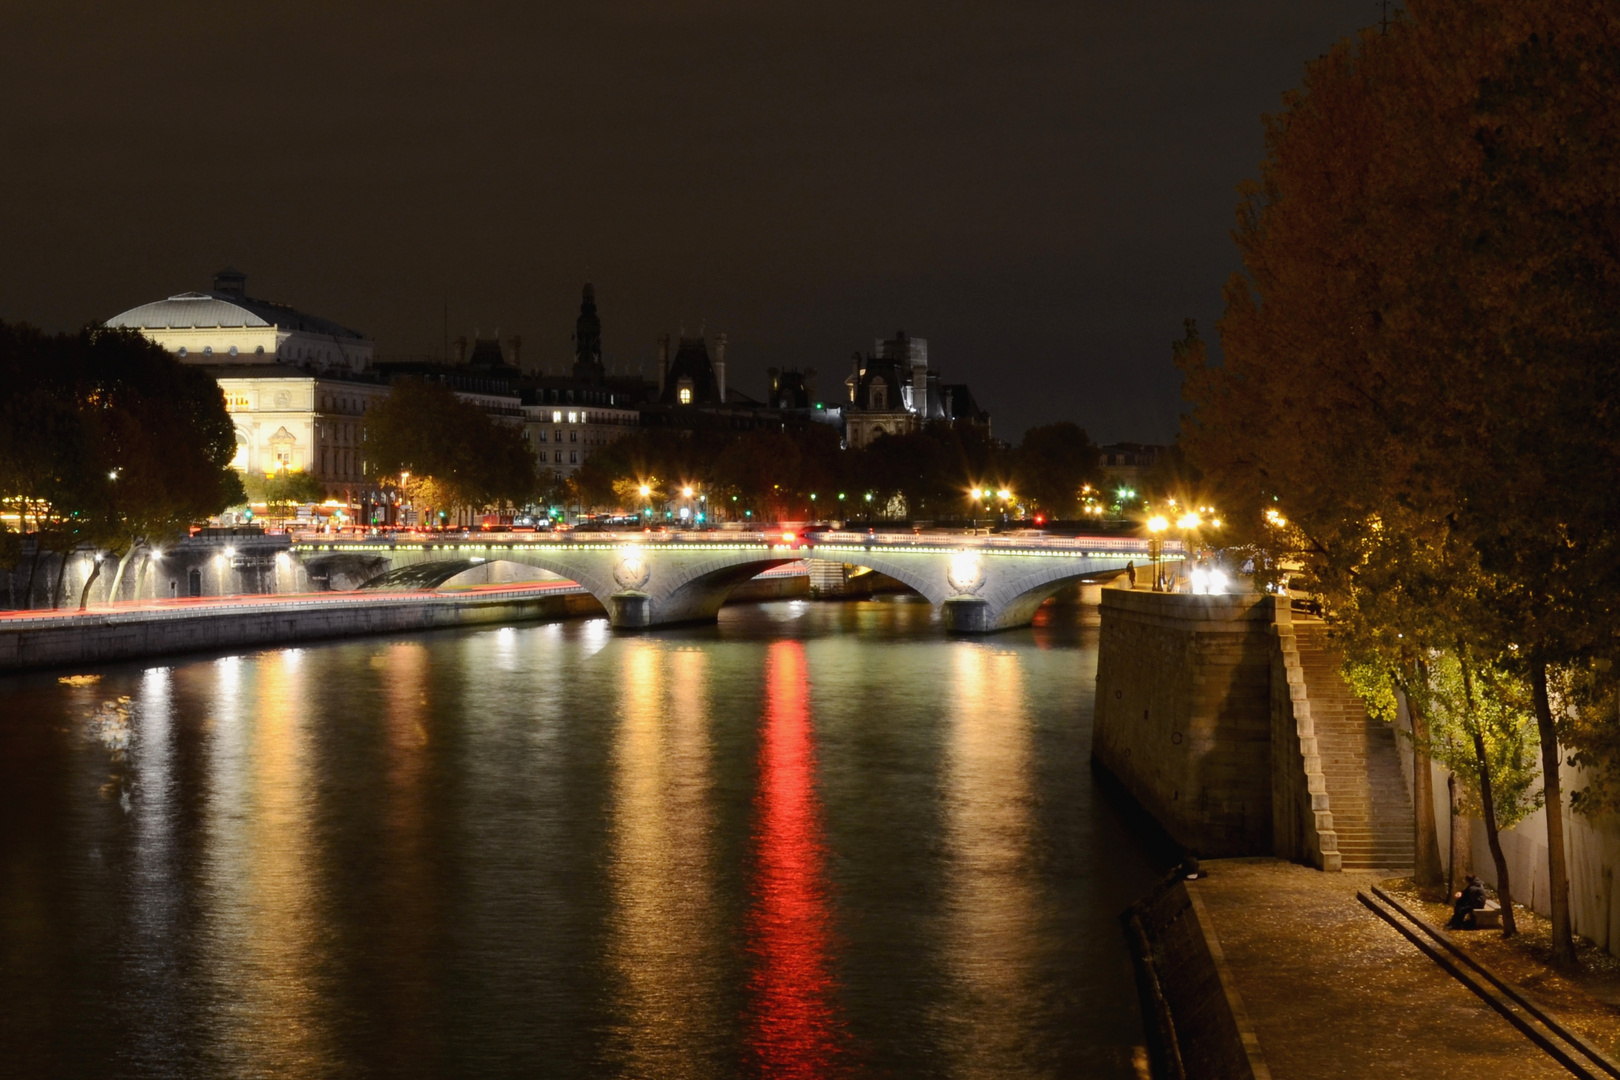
(43, 639)
(1335, 993)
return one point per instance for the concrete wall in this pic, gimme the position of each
(1183, 714)
(256, 565)
(106, 637)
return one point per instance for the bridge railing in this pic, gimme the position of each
(1132, 547)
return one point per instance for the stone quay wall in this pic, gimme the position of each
(1183, 714)
(97, 638)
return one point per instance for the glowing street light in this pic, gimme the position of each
(1156, 525)
(645, 491)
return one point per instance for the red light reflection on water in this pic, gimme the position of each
(793, 1030)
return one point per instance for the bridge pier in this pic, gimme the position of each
(967, 615)
(630, 611)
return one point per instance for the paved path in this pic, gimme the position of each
(1333, 991)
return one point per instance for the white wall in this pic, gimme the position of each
(1592, 854)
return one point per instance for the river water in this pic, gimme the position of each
(811, 840)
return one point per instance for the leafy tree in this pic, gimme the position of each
(1483, 728)
(1423, 339)
(283, 490)
(1051, 465)
(458, 457)
(107, 439)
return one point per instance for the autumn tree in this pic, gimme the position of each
(1424, 336)
(458, 457)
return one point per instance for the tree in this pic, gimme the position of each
(1051, 465)
(107, 439)
(457, 456)
(1424, 334)
(1483, 730)
(283, 490)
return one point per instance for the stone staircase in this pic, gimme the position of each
(1361, 764)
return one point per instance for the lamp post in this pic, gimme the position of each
(1189, 524)
(1156, 525)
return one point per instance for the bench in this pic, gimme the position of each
(1488, 917)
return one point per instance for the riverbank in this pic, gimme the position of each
(48, 639)
(59, 639)
(1323, 988)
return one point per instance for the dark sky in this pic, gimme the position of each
(1042, 190)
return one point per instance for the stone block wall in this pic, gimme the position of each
(1302, 822)
(1183, 714)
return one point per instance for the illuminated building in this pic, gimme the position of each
(896, 393)
(297, 386)
(226, 327)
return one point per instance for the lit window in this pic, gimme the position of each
(573, 418)
(686, 395)
(556, 418)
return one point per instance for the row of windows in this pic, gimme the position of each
(344, 404)
(573, 457)
(577, 417)
(208, 350)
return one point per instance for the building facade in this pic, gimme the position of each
(895, 392)
(301, 422)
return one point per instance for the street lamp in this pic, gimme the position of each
(1156, 525)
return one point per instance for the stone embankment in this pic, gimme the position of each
(1230, 723)
(107, 636)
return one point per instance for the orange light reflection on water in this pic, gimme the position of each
(794, 1030)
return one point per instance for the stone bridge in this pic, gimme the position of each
(981, 583)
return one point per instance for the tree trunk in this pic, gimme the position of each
(84, 593)
(61, 579)
(1563, 944)
(1426, 848)
(1461, 862)
(118, 578)
(1504, 891)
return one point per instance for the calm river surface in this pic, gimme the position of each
(815, 839)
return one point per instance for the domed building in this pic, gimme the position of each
(297, 386)
(226, 326)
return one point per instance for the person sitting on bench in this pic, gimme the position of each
(1465, 903)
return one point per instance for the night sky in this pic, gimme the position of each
(1042, 190)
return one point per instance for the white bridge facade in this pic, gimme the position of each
(980, 583)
